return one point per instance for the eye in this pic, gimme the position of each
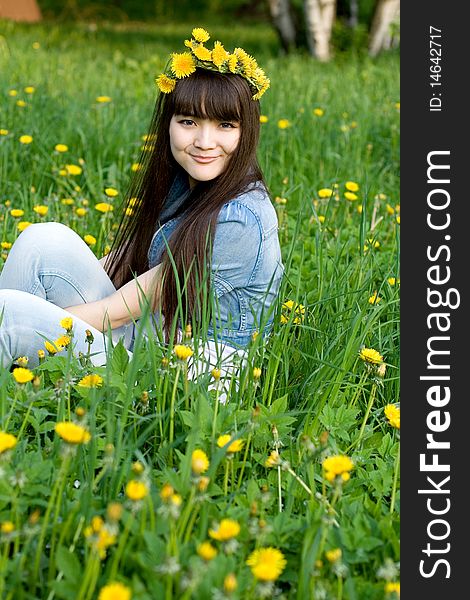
(228, 125)
(187, 122)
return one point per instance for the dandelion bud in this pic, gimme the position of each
(230, 583)
(36, 381)
(80, 412)
(323, 438)
(22, 361)
(89, 339)
(216, 374)
(114, 511)
(109, 449)
(137, 468)
(256, 373)
(381, 370)
(256, 411)
(144, 398)
(254, 508)
(188, 331)
(166, 492)
(203, 483)
(34, 517)
(165, 362)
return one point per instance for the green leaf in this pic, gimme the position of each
(68, 563)
(120, 358)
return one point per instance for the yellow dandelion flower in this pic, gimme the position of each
(80, 212)
(235, 446)
(90, 239)
(351, 196)
(392, 413)
(115, 591)
(182, 64)
(182, 352)
(135, 167)
(62, 342)
(375, 298)
(41, 210)
(202, 53)
(334, 555)
(165, 84)
(371, 356)
(136, 490)
(4, 132)
(6, 245)
(103, 99)
(219, 54)
(392, 587)
(233, 63)
(73, 169)
(21, 103)
(7, 441)
(91, 381)
(318, 112)
(200, 34)
(22, 375)
(273, 460)
(325, 193)
(13, 93)
(35, 45)
(393, 281)
(50, 347)
(398, 220)
(7, 527)
(29, 89)
(16, 212)
(199, 462)
(61, 148)
(351, 186)
(111, 192)
(104, 207)
(22, 225)
(25, 139)
(225, 530)
(335, 466)
(283, 123)
(72, 433)
(390, 210)
(266, 564)
(206, 551)
(263, 119)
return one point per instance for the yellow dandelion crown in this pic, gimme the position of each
(218, 59)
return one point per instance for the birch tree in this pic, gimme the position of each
(319, 19)
(386, 13)
(281, 16)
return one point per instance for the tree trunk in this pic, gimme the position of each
(386, 12)
(353, 13)
(319, 18)
(20, 10)
(281, 16)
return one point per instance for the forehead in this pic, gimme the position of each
(207, 100)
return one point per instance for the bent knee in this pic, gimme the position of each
(44, 231)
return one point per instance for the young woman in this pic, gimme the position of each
(198, 241)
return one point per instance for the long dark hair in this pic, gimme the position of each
(204, 94)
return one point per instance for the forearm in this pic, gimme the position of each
(122, 306)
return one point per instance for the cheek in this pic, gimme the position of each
(232, 146)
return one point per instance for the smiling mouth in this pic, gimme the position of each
(203, 159)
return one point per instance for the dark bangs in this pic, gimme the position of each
(210, 95)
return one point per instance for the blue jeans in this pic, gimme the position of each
(50, 267)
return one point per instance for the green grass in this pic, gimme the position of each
(315, 397)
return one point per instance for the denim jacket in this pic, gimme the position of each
(246, 270)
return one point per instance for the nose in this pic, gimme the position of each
(205, 137)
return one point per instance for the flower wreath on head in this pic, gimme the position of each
(218, 59)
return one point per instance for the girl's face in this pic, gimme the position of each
(202, 146)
